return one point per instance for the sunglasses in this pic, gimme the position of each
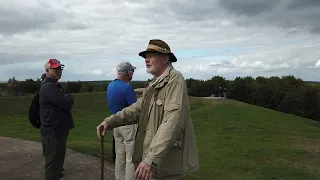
(58, 68)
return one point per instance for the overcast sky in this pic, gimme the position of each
(229, 38)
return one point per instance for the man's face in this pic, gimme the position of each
(155, 63)
(54, 73)
(130, 74)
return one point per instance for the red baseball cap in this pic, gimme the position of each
(53, 64)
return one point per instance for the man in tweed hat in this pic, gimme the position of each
(165, 145)
(120, 94)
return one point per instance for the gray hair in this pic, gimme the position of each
(125, 68)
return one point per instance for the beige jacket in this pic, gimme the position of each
(165, 137)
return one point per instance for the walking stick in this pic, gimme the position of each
(101, 153)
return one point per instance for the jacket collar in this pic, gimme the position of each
(163, 78)
(48, 79)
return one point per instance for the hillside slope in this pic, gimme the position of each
(235, 140)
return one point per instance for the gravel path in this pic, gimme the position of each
(21, 159)
(214, 97)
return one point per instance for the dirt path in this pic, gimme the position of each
(214, 97)
(20, 159)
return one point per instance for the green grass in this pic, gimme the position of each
(235, 140)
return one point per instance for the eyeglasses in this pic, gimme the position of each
(58, 68)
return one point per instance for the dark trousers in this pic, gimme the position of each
(113, 150)
(43, 147)
(55, 151)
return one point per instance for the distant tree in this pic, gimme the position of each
(12, 87)
(261, 80)
(311, 103)
(199, 88)
(241, 89)
(86, 87)
(29, 85)
(292, 103)
(286, 94)
(217, 84)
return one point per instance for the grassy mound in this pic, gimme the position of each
(235, 140)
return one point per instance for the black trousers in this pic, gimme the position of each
(43, 146)
(54, 153)
(113, 150)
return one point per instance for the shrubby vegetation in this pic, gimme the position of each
(286, 94)
(30, 86)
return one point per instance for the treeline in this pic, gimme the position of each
(93, 86)
(29, 86)
(286, 94)
(19, 88)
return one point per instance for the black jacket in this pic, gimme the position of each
(55, 109)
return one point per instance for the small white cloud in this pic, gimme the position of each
(226, 22)
(97, 72)
(284, 65)
(317, 65)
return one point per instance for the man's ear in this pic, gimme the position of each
(166, 59)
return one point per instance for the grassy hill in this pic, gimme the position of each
(235, 140)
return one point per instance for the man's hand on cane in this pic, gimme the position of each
(104, 127)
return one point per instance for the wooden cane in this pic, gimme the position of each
(102, 153)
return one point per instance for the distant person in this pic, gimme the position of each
(56, 119)
(165, 146)
(120, 94)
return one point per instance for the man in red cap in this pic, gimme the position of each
(56, 119)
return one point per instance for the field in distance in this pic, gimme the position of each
(235, 140)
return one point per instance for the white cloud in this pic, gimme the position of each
(97, 72)
(317, 65)
(209, 38)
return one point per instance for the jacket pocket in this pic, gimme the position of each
(171, 164)
(171, 107)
